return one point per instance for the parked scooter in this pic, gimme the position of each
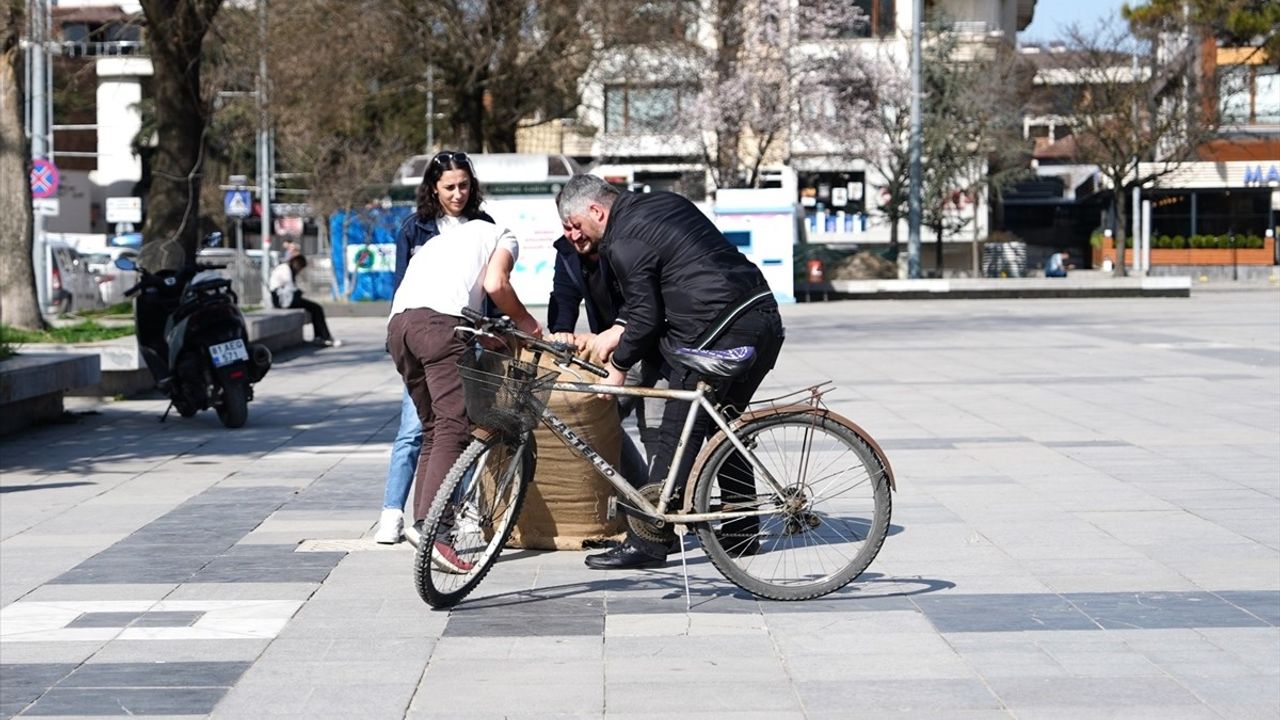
(192, 337)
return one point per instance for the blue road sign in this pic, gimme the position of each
(238, 203)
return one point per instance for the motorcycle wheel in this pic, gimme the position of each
(233, 411)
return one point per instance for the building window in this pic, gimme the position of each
(1249, 94)
(830, 105)
(635, 110)
(654, 21)
(819, 19)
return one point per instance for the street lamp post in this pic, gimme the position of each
(264, 153)
(913, 192)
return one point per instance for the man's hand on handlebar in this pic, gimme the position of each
(599, 347)
(615, 377)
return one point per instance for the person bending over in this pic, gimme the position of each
(685, 285)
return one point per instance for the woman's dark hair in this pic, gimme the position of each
(428, 204)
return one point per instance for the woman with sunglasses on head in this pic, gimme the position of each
(448, 197)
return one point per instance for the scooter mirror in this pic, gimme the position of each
(126, 263)
(213, 239)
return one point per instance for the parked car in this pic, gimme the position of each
(112, 281)
(72, 285)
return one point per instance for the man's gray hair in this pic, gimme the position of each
(581, 191)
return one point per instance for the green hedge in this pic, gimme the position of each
(1206, 241)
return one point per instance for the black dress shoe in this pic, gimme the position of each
(624, 557)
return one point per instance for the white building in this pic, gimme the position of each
(639, 102)
(95, 49)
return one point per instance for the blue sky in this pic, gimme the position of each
(1053, 15)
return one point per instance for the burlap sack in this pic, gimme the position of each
(566, 503)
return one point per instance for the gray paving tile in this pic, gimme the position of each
(1086, 693)
(1161, 610)
(141, 619)
(496, 625)
(923, 697)
(987, 613)
(1263, 604)
(22, 683)
(148, 675)
(119, 702)
(726, 695)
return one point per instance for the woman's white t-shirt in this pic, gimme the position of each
(446, 273)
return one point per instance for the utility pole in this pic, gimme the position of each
(913, 192)
(431, 107)
(39, 110)
(264, 153)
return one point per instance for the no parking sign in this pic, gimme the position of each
(44, 179)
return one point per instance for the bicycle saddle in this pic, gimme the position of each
(716, 363)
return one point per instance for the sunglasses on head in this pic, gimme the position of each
(444, 159)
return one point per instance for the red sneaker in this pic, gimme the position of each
(446, 558)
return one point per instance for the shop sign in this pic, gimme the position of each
(1257, 175)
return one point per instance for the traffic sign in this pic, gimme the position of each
(124, 209)
(49, 207)
(237, 203)
(44, 179)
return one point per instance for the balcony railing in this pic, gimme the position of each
(117, 48)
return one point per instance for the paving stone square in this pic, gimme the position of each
(1086, 525)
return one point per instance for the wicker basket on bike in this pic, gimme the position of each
(503, 393)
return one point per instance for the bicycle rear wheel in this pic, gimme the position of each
(815, 537)
(472, 518)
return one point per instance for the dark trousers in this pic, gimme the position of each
(760, 328)
(634, 465)
(316, 312)
(426, 352)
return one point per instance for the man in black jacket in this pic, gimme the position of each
(583, 277)
(685, 285)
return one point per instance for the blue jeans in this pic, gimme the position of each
(404, 456)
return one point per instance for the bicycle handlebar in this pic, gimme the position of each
(563, 352)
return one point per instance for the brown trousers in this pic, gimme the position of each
(426, 352)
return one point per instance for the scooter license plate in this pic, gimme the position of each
(228, 352)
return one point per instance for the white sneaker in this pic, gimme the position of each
(413, 533)
(390, 526)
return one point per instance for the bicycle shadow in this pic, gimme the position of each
(652, 592)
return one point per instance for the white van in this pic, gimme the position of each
(72, 285)
(519, 192)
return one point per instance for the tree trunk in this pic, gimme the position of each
(18, 304)
(938, 250)
(1118, 236)
(172, 226)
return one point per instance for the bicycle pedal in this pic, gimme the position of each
(611, 508)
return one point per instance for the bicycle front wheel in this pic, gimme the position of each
(817, 535)
(471, 518)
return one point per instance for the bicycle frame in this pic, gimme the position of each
(697, 399)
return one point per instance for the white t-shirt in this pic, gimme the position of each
(281, 283)
(447, 273)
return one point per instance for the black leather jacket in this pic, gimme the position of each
(678, 272)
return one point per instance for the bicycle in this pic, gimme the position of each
(789, 500)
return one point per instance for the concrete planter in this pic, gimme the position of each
(32, 386)
(1265, 255)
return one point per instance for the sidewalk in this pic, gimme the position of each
(1087, 525)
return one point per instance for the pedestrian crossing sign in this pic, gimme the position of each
(237, 203)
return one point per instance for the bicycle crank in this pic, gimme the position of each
(645, 527)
